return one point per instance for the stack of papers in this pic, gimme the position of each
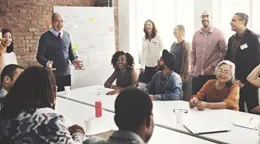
(249, 122)
(205, 128)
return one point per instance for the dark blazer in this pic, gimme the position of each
(246, 59)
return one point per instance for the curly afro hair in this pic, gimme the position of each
(129, 59)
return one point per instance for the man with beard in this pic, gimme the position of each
(208, 49)
(133, 117)
(55, 52)
(165, 84)
(244, 51)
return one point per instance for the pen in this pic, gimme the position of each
(250, 119)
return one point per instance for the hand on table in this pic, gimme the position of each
(201, 105)
(113, 92)
(193, 102)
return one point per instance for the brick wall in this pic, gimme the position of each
(28, 19)
(115, 5)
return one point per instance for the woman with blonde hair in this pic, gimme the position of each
(182, 51)
(219, 93)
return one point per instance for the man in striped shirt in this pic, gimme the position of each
(208, 49)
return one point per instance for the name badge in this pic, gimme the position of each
(243, 46)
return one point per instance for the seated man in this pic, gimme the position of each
(8, 76)
(165, 84)
(134, 118)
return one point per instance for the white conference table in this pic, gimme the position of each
(77, 113)
(164, 116)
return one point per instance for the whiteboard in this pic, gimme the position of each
(92, 35)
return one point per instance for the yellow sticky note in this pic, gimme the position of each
(91, 19)
(74, 47)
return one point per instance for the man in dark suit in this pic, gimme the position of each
(244, 51)
(55, 52)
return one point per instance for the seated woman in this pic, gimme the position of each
(124, 73)
(220, 93)
(254, 79)
(28, 115)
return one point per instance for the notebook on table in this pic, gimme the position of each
(248, 121)
(202, 128)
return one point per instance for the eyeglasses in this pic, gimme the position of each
(224, 72)
(205, 16)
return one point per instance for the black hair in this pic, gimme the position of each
(243, 16)
(10, 48)
(9, 71)
(154, 30)
(129, 59)
(34, 88)
(132, 108)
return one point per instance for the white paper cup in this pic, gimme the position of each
(89, 124)
(67, 90)
(180, 114)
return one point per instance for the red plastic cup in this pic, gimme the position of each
(98, 108)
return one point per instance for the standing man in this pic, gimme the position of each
(244, 51)
(55, 52)
(208, 49)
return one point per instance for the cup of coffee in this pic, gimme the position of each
(180, 114)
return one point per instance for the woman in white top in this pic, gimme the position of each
(7, 55)
(151, 52)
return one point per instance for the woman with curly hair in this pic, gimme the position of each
(124, 73)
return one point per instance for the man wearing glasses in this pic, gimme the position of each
(208, 49)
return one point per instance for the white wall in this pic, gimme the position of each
(199, 6)
(167, 14)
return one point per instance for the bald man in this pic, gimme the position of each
(55, 52)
